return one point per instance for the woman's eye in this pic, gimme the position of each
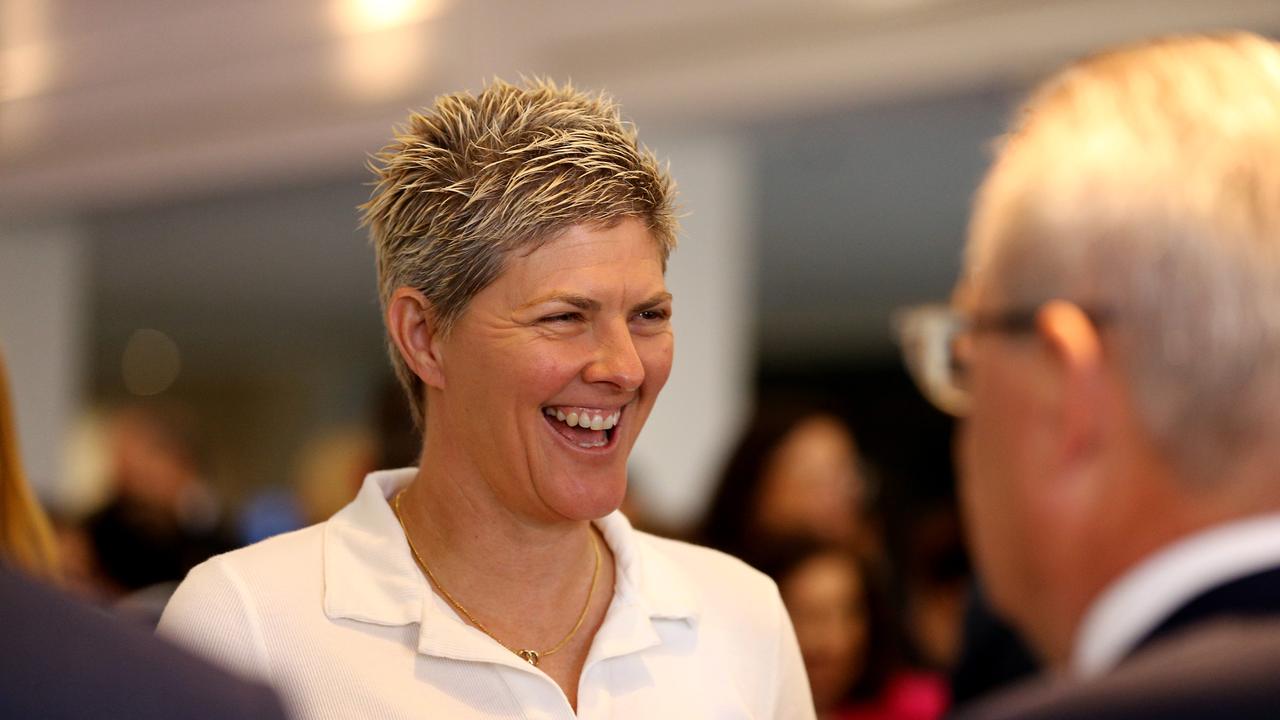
(652, 315)
(565, 317)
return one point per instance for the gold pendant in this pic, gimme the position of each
(529, 656)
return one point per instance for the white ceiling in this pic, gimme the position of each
(110, 102)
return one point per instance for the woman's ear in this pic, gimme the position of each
(411, 322)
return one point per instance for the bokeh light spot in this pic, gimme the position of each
(151, 362)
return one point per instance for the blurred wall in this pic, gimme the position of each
(269, 297)
(712, 276)
(863, 211)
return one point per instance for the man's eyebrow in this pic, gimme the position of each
(582, 302)
(652, 302)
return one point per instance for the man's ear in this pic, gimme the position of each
(412, 325)
(1074, 346)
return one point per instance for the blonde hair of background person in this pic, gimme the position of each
(1138, 189)
(1118, 345)
(1113, 353)
(1183, 240)
(26, 538)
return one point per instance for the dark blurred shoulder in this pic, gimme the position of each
(67, 659)
(1227, 669)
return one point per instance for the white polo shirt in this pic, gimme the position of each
(340, 620)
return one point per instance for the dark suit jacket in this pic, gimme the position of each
(1216, 657)
(60, 659)
(992, 656)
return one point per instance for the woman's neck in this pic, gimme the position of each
(527, 579)
(459, 522)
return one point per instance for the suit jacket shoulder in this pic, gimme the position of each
(1226, 668)
(64, 659)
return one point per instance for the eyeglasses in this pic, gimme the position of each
(929, 335)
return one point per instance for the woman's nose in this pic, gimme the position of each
(616, 362)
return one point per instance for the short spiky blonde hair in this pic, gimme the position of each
(474, 177)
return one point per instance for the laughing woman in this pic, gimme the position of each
(521, 237)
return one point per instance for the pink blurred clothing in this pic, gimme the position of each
(906, 696)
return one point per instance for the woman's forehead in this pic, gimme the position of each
(584, 260)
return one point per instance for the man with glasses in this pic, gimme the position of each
(1113, 350)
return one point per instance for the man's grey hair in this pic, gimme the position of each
(472, 179)
(1144, 184)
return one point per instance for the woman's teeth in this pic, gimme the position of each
(584, 418)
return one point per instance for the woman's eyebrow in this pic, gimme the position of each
(582, 302)
(652, 302)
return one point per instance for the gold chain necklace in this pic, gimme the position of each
(529, 656)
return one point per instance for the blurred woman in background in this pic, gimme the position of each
(846, 635)
(26, 537)
(795, 471)
(65, 659)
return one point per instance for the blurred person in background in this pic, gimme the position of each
(845, 628)
(398, 441)
(521, 236)
(991, 656)
(330, 469)
(27, 541)
(1114, 352)
(162, 518)
(795, 470)
(327, 473)
(934, 576)
(63, 659)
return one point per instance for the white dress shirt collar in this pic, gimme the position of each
(370, 576)
(1143, 597)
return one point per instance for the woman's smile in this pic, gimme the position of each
(589, 429)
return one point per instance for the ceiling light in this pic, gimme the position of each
(362, 16)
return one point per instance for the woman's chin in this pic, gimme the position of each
(587, 499)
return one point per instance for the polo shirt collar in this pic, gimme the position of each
(369, 573)
(370, 576)
(650, 581)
